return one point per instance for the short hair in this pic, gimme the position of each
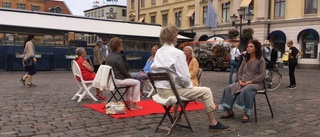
(155, 46)
(114, 43)
(191, 50)
(79, 51)
(168, 34)
(290, 42)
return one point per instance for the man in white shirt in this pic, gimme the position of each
(172, 60)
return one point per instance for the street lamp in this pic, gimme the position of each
(241, 12)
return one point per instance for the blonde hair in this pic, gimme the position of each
(290, 42)
(191, 50)
(168, 34)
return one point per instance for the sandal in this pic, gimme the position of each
(245, 120)
(135, 107)
(229, 115)
(23, 81)
(101, 97)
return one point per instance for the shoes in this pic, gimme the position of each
(101, 97)
(23, 81)
(135, 107)
(227, 116)
(31, 85)
(218, 127)
(291, 87)
(245, 120)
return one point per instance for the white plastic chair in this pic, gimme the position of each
(148, 88)
(84, 85)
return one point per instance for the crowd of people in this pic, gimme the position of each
(183, 68)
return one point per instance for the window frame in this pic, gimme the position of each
(204, 11)
(226, 12)
(132, 4)
(165, 19)
(6, 4)
(178, 18)
(35, 8)
(21, 4)
(153, 19)
(310, 7)
(281, 3)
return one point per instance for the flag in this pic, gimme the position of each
(212, 16)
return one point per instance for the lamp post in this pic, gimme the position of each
(241, 12)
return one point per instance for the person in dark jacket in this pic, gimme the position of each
(294, 53)
(122, 76)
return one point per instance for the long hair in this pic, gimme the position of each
(191, 50)
(30, 37)
(257, 46)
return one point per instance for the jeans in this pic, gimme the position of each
(233, 65)
(141, 78)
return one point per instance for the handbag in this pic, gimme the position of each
(238, 58)
(115, 108)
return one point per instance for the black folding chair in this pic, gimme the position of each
(182, 102)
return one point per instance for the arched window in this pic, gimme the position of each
(309, 39)
(279, 40)
(58, 10)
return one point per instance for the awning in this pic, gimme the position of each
(190, 12)
(78, 24)
(141, 19)
(245, 3)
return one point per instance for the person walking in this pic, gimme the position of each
(294, 53)
(98, 58)
(29, 61)
(105, 49)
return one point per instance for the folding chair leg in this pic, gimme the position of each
(167, 113)
(255, 109)
(269, 105)
(121, 98)
(112, 96)
(77, 94)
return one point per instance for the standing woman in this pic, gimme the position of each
(122, 76)
(29, 61)
(193, 65)
(98, 58)
(294, 53)
(234, 64)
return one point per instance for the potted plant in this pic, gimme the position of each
(19, 54)
(69, 55)
(233, 33)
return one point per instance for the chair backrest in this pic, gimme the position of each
(199, 76)
(76, 71)
(153, 77)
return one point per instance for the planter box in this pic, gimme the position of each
(19, 56)
(37, 56)
(70, 56)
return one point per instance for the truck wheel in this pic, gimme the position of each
(209, 66)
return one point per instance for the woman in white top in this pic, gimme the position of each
(234, 64)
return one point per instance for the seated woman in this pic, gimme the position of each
(193, 65)
(87, 69)
(251, 75)
(142, 75)
(122, 76)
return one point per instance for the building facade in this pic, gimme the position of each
(276, 20)
(116, 12)
(34, 5)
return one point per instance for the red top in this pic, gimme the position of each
(86, 74)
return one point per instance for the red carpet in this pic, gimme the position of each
(149, 107)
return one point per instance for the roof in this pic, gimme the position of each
(53, 4)
(100, 7)
(78, 24)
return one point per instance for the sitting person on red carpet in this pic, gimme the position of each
(172, 60)
(122, 77)
(87, 69)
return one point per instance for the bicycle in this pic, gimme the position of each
(273, 79)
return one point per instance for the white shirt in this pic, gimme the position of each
(172, 60)
(234, 53)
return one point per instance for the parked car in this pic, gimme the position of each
(212, 54)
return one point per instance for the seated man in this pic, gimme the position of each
(142, 75)
(172, 60)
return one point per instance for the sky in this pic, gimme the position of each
(78, 6)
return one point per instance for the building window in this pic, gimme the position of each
(164, 19)
(153, 19)
(205, 9)
(178, 18)
(95, 14)
(309, 40)
(311, 6)
(34, 8)
(124, 12)
(21, 6)
(165, 1)
(279, 8)
(98, 13)
(142, 3)
(132, 4)
(192, 20)
(226, 12)
(153, 2)
(91, 14)
(249, 9)
(6, 4)
(58, 10)
(102, 13)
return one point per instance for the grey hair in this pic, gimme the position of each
(99, 42)
(191, 50)
(79, 51)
